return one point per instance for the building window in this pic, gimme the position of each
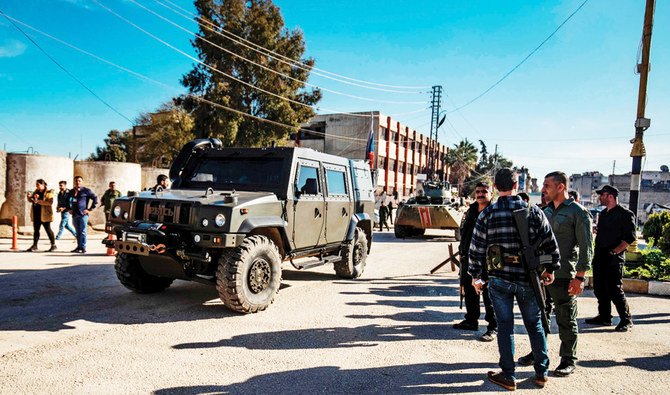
(383, 133)
(393, 137)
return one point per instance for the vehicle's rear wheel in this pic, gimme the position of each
(248, 277)
(354, 255)
(131, 274)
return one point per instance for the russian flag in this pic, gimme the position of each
(370, 146)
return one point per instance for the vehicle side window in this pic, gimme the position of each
(308, 180)
(337, 183)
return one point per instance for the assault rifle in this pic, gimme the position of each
(531, 262)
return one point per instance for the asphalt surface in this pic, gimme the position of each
(67, 326)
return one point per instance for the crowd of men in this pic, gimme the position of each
(76, 204)
(558, 250)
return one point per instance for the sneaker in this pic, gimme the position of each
(598, 320)
(624, 326)
(564, 369)
(541, 381)
(467, 326)
(76, 250)
(501, 380)
(488, 336)
(526, 360)
(53, 248)
(32, 248)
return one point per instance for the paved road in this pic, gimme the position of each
(67, 326)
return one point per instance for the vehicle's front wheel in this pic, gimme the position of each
(131, 274)
(248, 277)
(401, 231)
(354, 255)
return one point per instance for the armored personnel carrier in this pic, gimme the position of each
(233, 215)
(434, 207)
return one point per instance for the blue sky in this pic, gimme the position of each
(570, 107)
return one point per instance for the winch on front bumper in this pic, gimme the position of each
(148, 238)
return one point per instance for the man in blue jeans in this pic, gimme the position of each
(497, 244)
(62, 207)
(80, 197)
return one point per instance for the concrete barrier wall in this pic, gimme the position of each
(149, 175)
(22, 172)
(3, 177)
(97, 176)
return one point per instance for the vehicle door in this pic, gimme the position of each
(338, 202)
(309, 207)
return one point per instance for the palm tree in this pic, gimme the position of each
(462, 159)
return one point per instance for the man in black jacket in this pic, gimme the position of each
(615, 232)
(472, 307)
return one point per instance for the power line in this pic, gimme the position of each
(523, 61)
(266, 67)
(285, 59)
(214, 69)
(149, 79)
(65, 70)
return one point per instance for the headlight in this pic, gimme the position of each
(204, 222)
(117, 211)
(220, 220)
(125, 215)
(196, 238)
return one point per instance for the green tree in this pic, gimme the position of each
(260, 22)
(485, 168)
(115, 148)
(160, 135)
(653, 228)
(462, 159)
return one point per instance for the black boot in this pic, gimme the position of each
(33, 248)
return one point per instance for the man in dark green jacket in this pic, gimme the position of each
(571, 224)
(108, 198)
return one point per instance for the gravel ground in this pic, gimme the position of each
(67, 326)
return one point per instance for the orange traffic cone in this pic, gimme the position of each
(110, 250)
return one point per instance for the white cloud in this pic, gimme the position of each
(11, 48)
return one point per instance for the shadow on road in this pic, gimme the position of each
(322, 338)
(47, 300)
(428, 378)
(655, 363)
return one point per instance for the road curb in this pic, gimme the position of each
(637, 286)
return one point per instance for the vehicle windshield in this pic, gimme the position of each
(235, 173)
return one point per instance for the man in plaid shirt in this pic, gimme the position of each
(496, 243)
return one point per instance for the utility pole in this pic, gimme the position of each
(434, 125)
(641, 123)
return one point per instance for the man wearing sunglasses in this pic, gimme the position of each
(470, 295)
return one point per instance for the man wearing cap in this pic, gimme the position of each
(615, 231)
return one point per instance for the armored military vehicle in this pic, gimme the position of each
(233, 215)
(434, 207)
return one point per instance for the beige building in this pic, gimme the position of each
(400, 152)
